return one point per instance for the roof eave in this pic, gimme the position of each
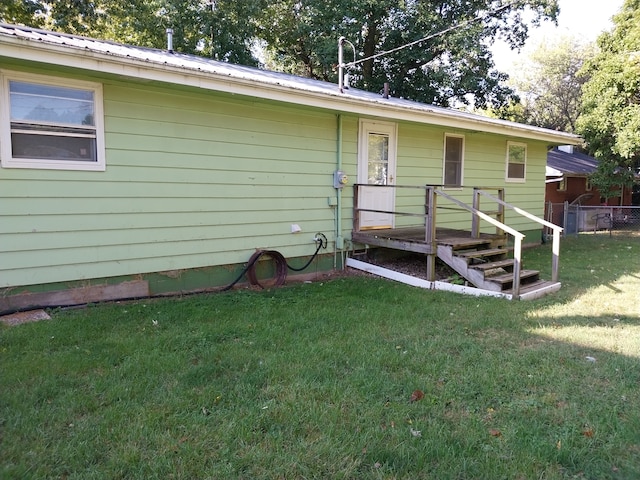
(85, 59)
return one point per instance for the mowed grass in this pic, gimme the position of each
(315, 381)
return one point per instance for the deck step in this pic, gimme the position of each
(507, 278)
(482, 253)
(536, 289)
(464, 243)
(508, 262)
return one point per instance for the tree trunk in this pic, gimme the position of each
(370, 42)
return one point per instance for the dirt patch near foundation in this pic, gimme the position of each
(413, 264)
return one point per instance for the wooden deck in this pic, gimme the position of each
(412, 239)
(482, 259)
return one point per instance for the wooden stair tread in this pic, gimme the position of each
(538, 286)
(481, 253)
(508, 262)
(461, 243)
(508, 277)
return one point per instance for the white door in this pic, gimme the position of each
(377, 166)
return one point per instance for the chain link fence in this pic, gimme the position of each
(579, 218)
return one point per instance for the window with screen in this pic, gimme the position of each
(453, 160)
(516, 161)
(51, 123)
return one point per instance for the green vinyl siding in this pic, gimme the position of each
(192, 180)
(199, 179)
(420, 157)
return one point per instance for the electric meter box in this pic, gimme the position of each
(340, 179)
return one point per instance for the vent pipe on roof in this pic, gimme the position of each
(385, 93)
(170, 40)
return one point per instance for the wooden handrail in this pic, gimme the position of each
(557, 230)
(524, 213)
(517, 238)
(482, 215)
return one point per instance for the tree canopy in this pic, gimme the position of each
(454, 68)
(550, 84)
(27, 12)
(610, 120)
(300, 36)
(220, 29)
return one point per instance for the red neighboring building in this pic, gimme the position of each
(568, 179)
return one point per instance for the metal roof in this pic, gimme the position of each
(165, 57)
(571, 163)
(260, 81)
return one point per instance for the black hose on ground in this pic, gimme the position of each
(281, 264)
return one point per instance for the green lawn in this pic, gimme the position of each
(315, 380)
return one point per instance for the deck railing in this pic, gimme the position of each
(430, 204)
(357, 209)
(475, 232)
(557, 230)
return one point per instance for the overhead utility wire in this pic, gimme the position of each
(429, 37)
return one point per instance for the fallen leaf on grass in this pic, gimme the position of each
(588, 432)
(494, 432)
(417, 395)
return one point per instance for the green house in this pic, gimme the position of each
(127, 171)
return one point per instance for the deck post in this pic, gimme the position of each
(500, 215)
(430, 232)
(555, 255)
(475, 220)
(517, 262)
(356, 209)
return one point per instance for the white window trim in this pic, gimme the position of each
(509, 179)
(444, 160)
(6, 158)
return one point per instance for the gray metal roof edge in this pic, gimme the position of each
(268, 79)
(577, 164)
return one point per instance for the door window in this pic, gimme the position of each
(378, 168)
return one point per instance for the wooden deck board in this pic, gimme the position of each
(412, 239)
(378, 238)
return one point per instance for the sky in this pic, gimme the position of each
(582, 19)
